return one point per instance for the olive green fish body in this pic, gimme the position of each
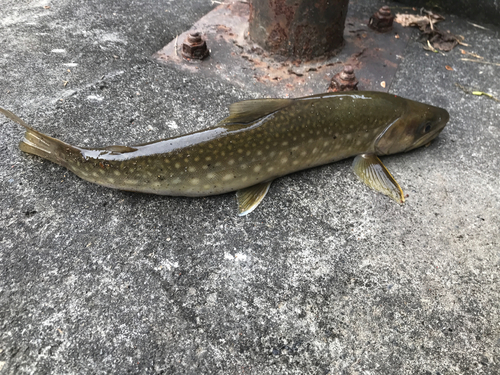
(261, 140)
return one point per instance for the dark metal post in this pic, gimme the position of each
(300, 28)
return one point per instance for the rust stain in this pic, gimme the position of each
(241, 61)
(322, 5)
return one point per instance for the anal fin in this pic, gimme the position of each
(249, 198)
(373, 172)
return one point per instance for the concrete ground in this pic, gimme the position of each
(325, 277)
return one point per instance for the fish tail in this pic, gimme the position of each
(39, 144)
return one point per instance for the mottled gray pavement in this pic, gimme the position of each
(325, 277)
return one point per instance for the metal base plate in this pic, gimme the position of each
(233, 57)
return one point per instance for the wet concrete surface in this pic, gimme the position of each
(325, 277)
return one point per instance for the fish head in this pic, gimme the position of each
(419, 124)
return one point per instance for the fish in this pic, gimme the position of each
(260, 141)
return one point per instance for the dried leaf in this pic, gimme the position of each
(411, 20)
(448, 67)
(443, 40)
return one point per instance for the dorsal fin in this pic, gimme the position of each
(251, 110)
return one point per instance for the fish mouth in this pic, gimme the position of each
(425, 140)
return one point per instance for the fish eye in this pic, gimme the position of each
(427, 128)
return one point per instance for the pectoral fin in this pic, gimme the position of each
(250, 197)
(372, 172)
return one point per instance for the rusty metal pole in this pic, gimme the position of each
(304, 29)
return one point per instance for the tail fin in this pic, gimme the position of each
(39, 144)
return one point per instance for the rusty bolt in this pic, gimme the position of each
(194, 47)
(344, 81)
(382, 20)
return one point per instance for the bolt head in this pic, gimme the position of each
(194, 37)
(382, 20)
(385, 11)
(194, 47)
(344, 81)
(349, 69)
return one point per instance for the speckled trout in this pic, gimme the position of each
(258, 142)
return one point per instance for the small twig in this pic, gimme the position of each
(480, 61)
(430, 47)
(480, 93)
(475, 92)
(478, 26)
(464, 52)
